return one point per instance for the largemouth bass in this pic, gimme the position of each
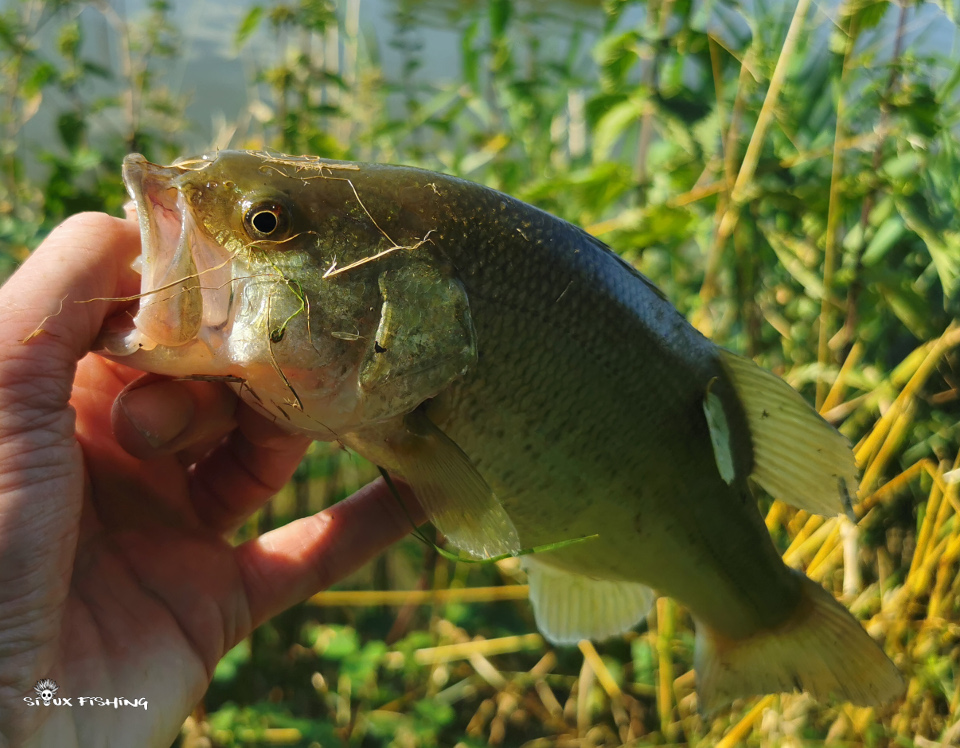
(529, 384)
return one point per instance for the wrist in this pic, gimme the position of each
(55, 727)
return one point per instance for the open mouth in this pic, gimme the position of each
(185, 276)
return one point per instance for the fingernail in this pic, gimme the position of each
(159, 412)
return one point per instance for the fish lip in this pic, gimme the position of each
(187, 289)
(149, 186)
(169, 311)
(153, 189)
(120, 335)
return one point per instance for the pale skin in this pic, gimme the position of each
(118, 493)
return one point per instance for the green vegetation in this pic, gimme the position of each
(790, 179)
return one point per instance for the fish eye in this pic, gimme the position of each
(266, 220)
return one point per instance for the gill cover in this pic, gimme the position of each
(425, 339)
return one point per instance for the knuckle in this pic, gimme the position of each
(89, 222)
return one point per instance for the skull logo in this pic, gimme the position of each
(45, 690)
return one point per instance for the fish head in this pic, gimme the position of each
(237, 249)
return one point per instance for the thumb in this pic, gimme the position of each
(44, 331)
(41, 467)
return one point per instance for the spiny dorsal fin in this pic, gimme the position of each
(456, 498)
(798, 457)
(570, 607)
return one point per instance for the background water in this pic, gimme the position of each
(416, 45)
(215, 76)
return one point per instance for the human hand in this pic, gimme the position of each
(116, 575)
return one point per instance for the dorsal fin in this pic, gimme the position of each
(798, 457)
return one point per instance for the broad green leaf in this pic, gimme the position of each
(39, 77)
(248, 25)
(909, 306)
(614, 123)
(71, 128)
(69, 39)
(228, 667)
(469, 55)
(616, 56)
(886, 237)
(500, 12)
(950, 84)
(783, 246)
(866, 14)
(902, 165)
(942, 243)
(950, 9)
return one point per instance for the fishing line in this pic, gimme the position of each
(459, 559)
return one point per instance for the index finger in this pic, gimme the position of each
(287, 565)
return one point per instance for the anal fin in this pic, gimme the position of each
(822, 650)
(569, 607)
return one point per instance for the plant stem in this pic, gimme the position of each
(751, 158)
(856, 285)
(833, 227)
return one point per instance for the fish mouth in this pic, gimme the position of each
(185, 289)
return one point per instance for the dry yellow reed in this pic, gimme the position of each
(603, 673)
(665, 630)
(837, 390)
(485, 647)
(419, 597)
(740, 730)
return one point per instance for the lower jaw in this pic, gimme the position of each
(120, 337)
(192, 359)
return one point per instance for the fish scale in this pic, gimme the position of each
(602, 402)
(531, 387)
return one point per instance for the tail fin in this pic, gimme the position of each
(822, 649)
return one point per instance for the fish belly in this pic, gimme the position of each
(651, 494)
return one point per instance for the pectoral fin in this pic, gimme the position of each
(456, 498)
(798, 457)
(719, 435)
(424, 340)
(570, 607)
